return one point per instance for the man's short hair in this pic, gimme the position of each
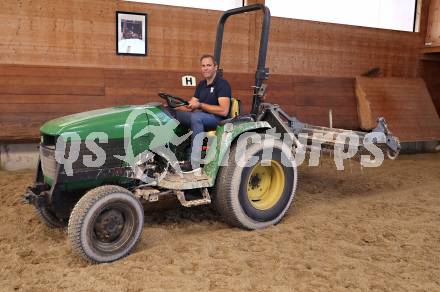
(208, 56)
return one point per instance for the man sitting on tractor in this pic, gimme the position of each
(209, 105)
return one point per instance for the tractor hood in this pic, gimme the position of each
(111, 121)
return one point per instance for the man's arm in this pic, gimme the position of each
(220, 110)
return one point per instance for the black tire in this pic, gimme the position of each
(49, 218)
(106, 224)
(235, 186)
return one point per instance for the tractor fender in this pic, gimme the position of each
(226, 135)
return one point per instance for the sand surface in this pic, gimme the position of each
(355, 230)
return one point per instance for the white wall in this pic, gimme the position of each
(388, 14)
(18, 156)
(203, 4)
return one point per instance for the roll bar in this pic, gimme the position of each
(262, 73)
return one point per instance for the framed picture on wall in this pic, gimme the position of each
(131, 33)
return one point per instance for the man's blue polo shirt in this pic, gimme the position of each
(210, 93)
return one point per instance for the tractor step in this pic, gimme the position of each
(197, 202)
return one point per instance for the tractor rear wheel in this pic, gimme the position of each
(259, 195)
(106, 224)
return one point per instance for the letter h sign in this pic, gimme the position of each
(188, 80)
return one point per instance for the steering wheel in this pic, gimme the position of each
(173, 101)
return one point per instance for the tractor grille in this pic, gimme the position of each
(48, 162)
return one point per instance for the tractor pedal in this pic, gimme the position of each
(197, 202)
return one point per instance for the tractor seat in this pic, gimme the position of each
(234, 108)
(235, 116)
(234, 111)
(241, 118)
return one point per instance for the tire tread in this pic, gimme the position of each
(77, 216)
(225, 190)
(49, 219)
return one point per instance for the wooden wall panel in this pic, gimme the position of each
(23, 112)
(431, 75)
(433, 28)
(310, 98)
(58, 57)
(404, 102)
(324, 49)
(82, 33)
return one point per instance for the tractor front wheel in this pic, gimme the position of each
(106, 224)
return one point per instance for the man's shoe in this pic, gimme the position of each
(186, 166)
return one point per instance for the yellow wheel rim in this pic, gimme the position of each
(265, 185)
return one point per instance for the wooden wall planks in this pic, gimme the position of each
(24, 111)
(82, 33)
(404, 102)
(431, 75)
(310, 98)
(433, 29)
(324, 49)
(59, 58)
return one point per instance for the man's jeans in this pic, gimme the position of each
(198, 122)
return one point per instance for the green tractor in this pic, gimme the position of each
(98, 169)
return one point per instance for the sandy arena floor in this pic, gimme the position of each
(356, 230)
